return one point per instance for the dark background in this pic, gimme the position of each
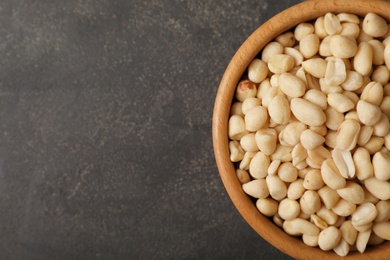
(105, 129)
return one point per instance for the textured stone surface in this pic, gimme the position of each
(105, 129)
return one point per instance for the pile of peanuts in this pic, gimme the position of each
(309, 132)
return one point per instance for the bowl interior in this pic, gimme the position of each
(280, 23)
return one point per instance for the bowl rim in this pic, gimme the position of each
(279, 23)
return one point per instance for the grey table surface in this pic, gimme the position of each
(105, 129)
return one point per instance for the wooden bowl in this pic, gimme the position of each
(282, 22)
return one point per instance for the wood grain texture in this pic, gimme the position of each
(249, 49)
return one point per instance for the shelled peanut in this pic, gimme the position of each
(309, 132)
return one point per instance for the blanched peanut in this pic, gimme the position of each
(291, 85)
(350, 18)
(316, 97)
(374, 25)
(287, 172)
(381, 164)
(344, 208)
(374, 144)
(331, 175)
(245, 89)
(326, 88)
(277, 188)
(378, 49)
(298, 57)
(324, 49)
(310, 139)
(340, 102)
(334, 119)
(295, 190)
(382, 229)
(352, 192)
(315, 67)
(340, 220)
(279, 110)
(329, 238)
(282, 153)
(368, 113)
(378, 188)
(280, 63)
(292, 132)
(348, 232)
(310, 202)
(267, 206)
(236, 151)
(342, 249)
(270, 50)
(236, 109)
(335, 72)
(249, 103)
(381, 128)
(309, 45)
(244, 164)
(343, 46)
(344, 162)
(363, 166)
(372, 93)
(353, 81)
(319, 27)
(270, 94)
(381, 74)
(383, 210)
(364, 214)
(350, 29)
(321, 130)
(266, 140)
(332, 24)
(257, 70)
(316, 220)
(274, 81)
(263, 87)
(327, 215)
(364, 37)
(286, 39)
(365, 134)
(243, 176)
(353, 97)
(259, 165)
(289, 209)
(278, 220)
(328, 196)
(302, 30)
(331, 139)
(362, 61)
(362, 240)
(310, 240)
(299, 226)
(273, 167)
(256, 118)
(369, 197)
(318, 155)
(313, 180)
(248, 143)
(256, 188)
(348, 134)
(236, 128)
(307, 112)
